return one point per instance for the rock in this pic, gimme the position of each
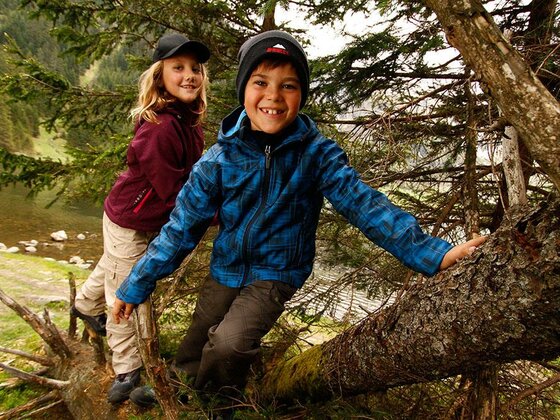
(30, 249)
(49, 259)
(3, 247)
(76, 260)
(32, 242)
(12, 249)
(59, 236)
(81, 236)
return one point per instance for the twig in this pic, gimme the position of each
(30, 377)
(39, 359)
(178, 277)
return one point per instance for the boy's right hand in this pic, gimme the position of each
(461, 251)
(122, 310)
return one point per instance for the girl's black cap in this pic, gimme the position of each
(270, 44)
(170, 45)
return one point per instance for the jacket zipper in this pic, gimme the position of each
(265, 189)
(144, 199)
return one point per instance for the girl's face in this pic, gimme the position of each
(182, 77)
(272, 97)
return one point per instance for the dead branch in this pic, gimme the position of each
(13, 382)
(30, 377)
(531, 391)
(148, 345)
(38, 359)
(45, 408)
(72, 327)
(48, 332)
(17, 412)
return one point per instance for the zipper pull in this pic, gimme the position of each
(267, 155)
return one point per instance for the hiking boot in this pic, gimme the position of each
(144, 396)
(122, 386)
(97, 322)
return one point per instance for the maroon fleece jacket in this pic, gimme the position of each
(159, 159)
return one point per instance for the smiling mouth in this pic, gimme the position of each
(188, 87)
(272, 111)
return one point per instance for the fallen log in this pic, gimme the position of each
(501, 304)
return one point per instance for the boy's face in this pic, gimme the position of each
(272, 97)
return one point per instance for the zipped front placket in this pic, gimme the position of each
(265, 188)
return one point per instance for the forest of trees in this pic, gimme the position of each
(450, 109)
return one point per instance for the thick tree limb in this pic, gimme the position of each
(524, 100)
(500, 305)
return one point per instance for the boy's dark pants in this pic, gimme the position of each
(226, 331)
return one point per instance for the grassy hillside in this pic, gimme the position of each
(48, 145)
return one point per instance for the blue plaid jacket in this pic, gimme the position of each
(268, 204)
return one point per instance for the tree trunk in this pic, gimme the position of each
(525, 102)
(501, 304)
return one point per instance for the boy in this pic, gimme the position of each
(267, 177)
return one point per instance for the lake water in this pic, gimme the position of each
(25, 219)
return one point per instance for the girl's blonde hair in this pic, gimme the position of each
(152, 96)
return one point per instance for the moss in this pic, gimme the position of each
(297, 376)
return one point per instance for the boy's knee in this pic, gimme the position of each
(227, 348)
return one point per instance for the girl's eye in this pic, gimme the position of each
(197, 69)
(260, 82)
(289, 86)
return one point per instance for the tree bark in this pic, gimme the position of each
(501, 304)
(525, 102)
(148, 345)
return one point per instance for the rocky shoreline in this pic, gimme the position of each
(58, 238)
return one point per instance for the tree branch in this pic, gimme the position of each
(45, 329)
(22, 410)
(30, 377)
(530, 391)
(38, 359)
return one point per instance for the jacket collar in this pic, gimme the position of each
(233, 128)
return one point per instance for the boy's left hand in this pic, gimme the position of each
(460, 251)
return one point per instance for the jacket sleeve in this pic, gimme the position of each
(159, 152)
(369, 210)
(196, 206)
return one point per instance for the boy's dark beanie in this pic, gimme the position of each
(271, 44)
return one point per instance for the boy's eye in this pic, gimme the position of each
(289, 86)
(260, 82)
(197, 69)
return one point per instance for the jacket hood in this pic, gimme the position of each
(232, 127)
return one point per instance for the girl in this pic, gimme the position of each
(168, 140)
